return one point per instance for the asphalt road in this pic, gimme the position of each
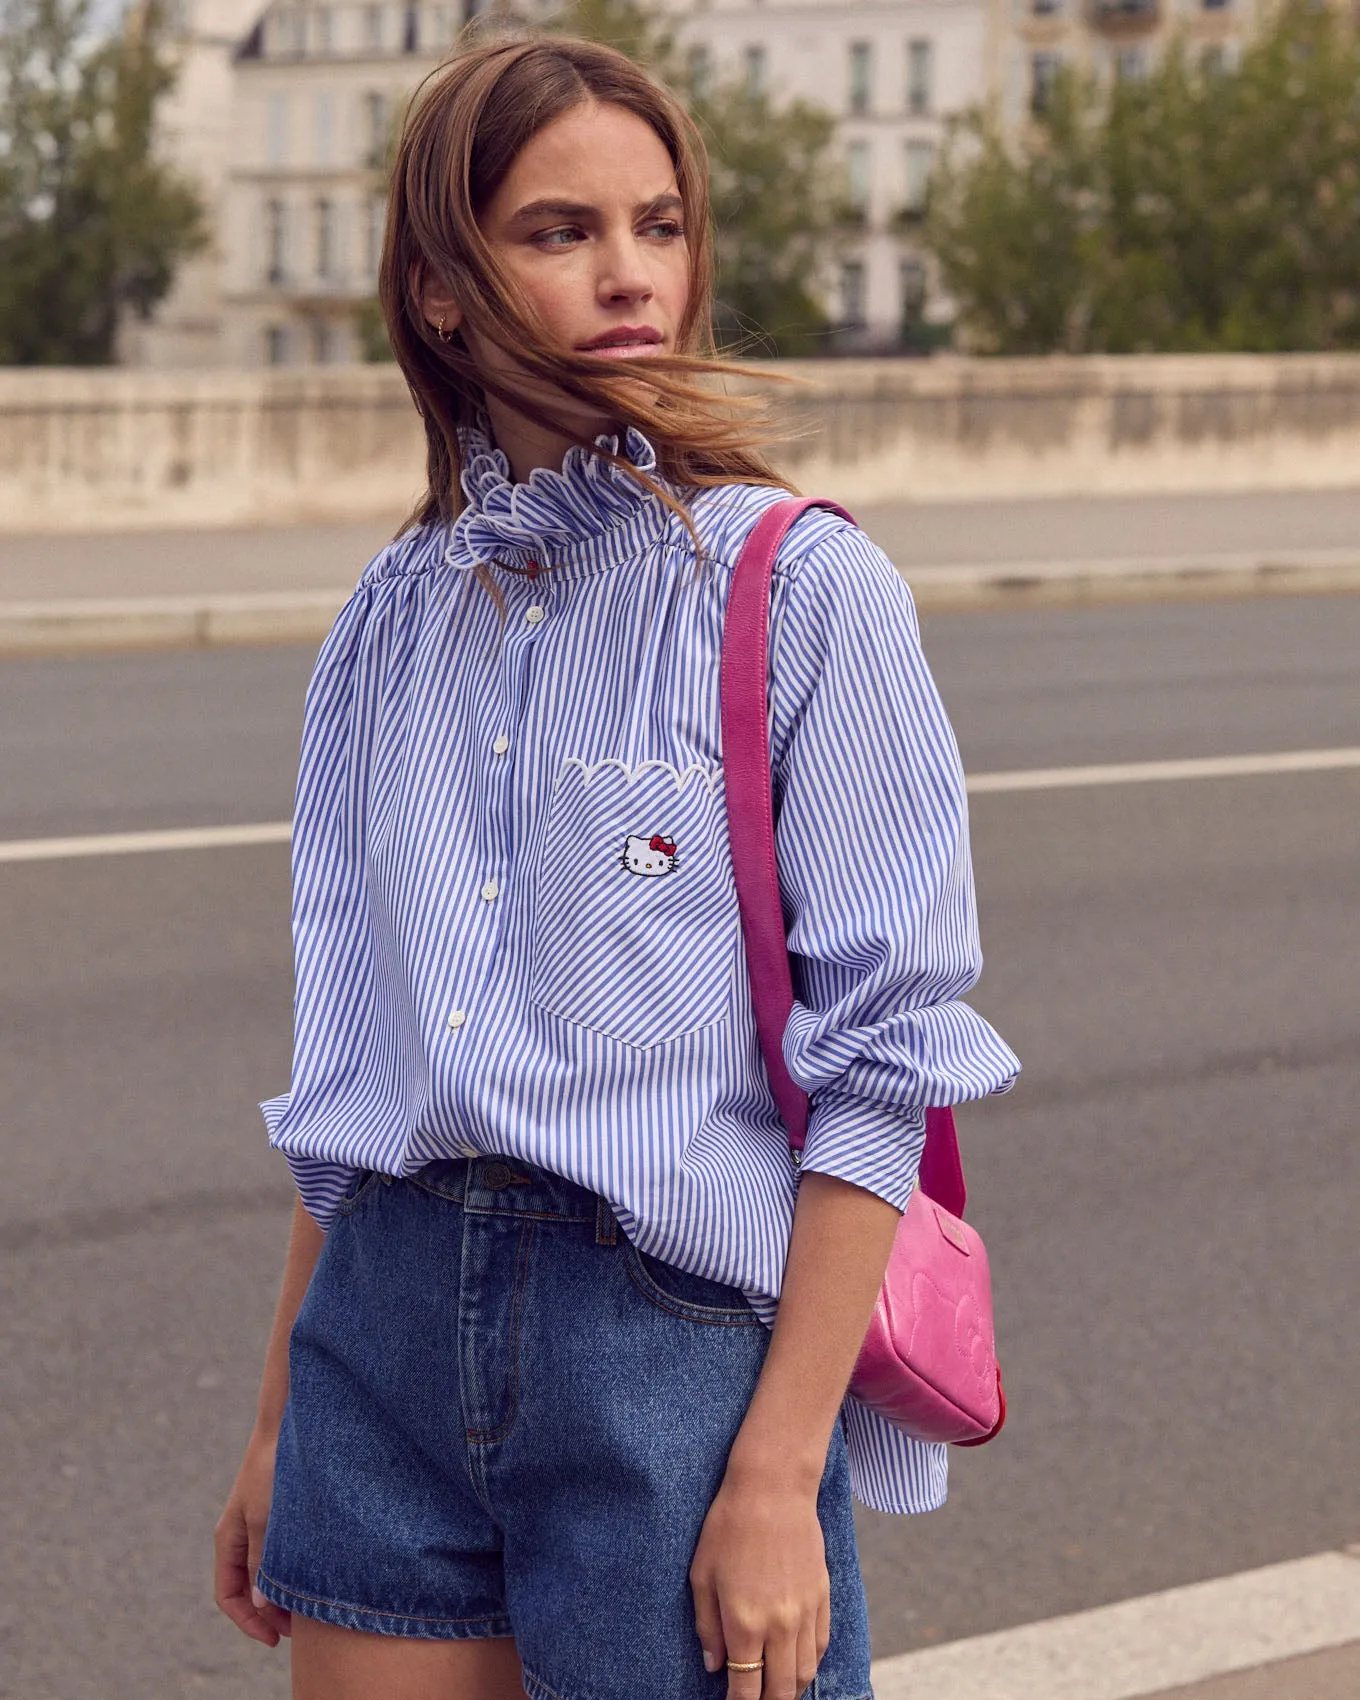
(1167, 1197)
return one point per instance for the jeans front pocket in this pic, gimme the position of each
(636, 923)
(693, 1297)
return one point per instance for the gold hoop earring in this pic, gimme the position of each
(439, 330)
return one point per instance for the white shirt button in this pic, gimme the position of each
(501, 745)
(490, 890)
(535, 614)
(456, 1019)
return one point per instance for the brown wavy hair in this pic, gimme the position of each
(462, 132)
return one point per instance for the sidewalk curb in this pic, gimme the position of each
(204, 622)
(167, 622)
(1190, 578)
(1144, 1647)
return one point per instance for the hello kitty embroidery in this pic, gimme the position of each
(648, 856)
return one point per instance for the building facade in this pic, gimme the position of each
(891, 72)
(318, 87)
(198, 127)
(1033, 39)
(286, 115)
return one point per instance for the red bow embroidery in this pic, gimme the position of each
(665, 845)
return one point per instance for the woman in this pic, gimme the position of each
(537, 1436)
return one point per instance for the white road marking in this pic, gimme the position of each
(1144, 772)
(137, 843)
(1145, 1646)
(979, 784)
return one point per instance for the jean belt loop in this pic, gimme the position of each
(606, 1228)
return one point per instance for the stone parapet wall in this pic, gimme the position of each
(118, 449)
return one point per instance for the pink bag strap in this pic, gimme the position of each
(750, 831)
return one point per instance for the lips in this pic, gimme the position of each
(625, 342)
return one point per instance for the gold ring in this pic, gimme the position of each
(756, 1664)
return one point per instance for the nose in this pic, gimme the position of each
(624, 274)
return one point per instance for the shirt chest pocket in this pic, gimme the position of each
(636, 920)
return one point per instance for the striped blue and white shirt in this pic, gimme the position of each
(484, 962)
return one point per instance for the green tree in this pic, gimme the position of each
(92, 224)
(778, 203)
(1192, 209)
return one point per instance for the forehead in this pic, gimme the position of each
(595, 152)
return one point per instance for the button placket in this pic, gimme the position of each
(522, 624)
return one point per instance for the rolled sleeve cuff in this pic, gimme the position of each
(321, 1184)
(871, 1145)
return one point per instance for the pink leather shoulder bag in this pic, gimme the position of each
(928, 1362)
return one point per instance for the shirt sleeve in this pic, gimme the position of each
(871, 832)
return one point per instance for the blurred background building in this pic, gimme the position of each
(1032, 39)
(284, 114)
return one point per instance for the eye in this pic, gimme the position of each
(565, 236)
(667, 229)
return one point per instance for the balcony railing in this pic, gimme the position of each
(1116, 14)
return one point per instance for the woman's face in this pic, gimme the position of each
(589, 224)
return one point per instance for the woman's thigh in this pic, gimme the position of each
(330, 1663)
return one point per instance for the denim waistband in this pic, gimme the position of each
(505, 1186)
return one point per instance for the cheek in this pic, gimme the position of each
(672, 284)
(561, 293)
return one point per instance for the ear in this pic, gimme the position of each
(441, 313)
(437, 306)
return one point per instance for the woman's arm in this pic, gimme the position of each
(759, 1575)
(239, 1535)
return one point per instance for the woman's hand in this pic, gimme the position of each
(238, 1541)
(761, 1589)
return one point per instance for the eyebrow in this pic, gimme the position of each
(582, 210)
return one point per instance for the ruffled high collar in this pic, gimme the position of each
(554, 519)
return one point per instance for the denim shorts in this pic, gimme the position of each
(504, 1420)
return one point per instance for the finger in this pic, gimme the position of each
(808, 1657)
(781, 1664)
(276, 1617)
(708, 1622)
(744, 1684)
(823, 1631)
(231, 1579)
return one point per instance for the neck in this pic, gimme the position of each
(526, 444)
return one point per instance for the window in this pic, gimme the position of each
(857, 165)
(755, 62)
(410, 30)
(699, 66)
(919, 158)
(853, 295)
(861, 77)
(276, 345)
(325, 238)
(441, 26)
(276, 130)
(275, 242)
(1046, 8)
(920, 75)
(373, 235)
(1130, 63)
(1043, 71)
(324, 343)
(374, 32)
(911, 288)
(378, 122)
(325, 128)
(325, 29)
